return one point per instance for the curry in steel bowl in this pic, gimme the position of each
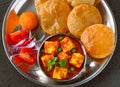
(62, 57)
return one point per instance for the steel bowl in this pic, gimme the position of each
(74, 78)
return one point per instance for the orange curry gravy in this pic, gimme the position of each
(78, 50)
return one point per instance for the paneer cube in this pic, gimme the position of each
(45, 58)
(77, 60)
(60, 73)
(67, 44)
(63, 55)
(51, 46)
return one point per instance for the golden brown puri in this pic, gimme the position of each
(81, 17)
(98, 40)
(77, 2)
(38, 4)
(53, 15)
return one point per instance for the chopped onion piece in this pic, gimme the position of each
(21, 42)
(31, 44)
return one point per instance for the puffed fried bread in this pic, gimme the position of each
(98, 40)
(53, 15)
(81, 17)
(77, 2)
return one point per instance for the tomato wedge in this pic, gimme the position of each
(25, 67)
(9, 40)
(14, 38)
(19, 35)
(28, 55)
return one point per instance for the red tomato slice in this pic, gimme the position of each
(19, 35)
(28, 55)
(25, 67)
(9, 41)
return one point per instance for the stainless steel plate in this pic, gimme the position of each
(93, 67)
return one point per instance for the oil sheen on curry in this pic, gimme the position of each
(61, 57)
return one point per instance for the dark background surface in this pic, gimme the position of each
(109, 77)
